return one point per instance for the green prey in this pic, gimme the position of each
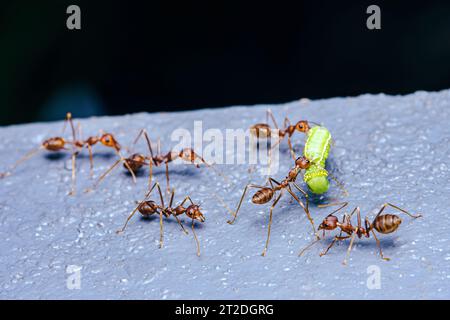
(317, 149)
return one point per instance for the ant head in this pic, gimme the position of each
(193, 211)
(329, 223)
(302, 126)
(54, 144)
(302, 162)
(108, 140)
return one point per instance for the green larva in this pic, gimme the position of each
(317, 148)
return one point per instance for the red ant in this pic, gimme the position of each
(263, 130)
(57, 144)
(382, 223)
(137, 160)
(265, 194)
(148, 207)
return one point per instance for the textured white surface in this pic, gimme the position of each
(388, 148)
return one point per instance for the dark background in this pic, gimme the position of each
(135, 56)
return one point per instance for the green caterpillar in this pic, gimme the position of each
(317, 148)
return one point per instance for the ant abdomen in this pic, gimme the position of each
(387, 223)
(148, 208)
(263, 196)
(54, 144)
(135, 162)
(260, 130)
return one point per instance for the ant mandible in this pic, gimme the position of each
(263, 130)
(148, 207)
(138, 160)
(382, 223)
(265, 194)
(57, 144)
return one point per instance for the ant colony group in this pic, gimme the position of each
(311, 164)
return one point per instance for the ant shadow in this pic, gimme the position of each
(137, 174)
(97, 155)
(55, 156)
(158, 171)
(171, 220)
(363, 242)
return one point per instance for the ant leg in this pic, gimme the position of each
(91, 160)
(240, 201)
(150, 173)
(399, 209)
(341, 204)
(305, 194)
(192, 226)
(161, 232)
(193, 156)
(329, 247)
(339, 184)
(270, 223)
(72, 191)
(170, 206)
(270, 114)
(27, 156)
(149, 143)
(349, 249)
(311, 221)
(184, 200)
(181, 225)
(305, 207)
(358, 214)
(378, 241)
(286, 122)
(160, 194)
(307, 247)
(69, 119)
(149, 146)
(144, 133)
(110, 169)
(167, 177)
(150, 160)
(291, 148)
(136, 209)
(336, 238)
(127, 166)
(219, 198)
(195, 237)
(171, 198)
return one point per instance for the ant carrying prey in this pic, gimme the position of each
(136, 161)
(57, 144)
(382, 223)
(265, 194)
(149, 207)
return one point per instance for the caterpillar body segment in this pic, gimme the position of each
(317, 149)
